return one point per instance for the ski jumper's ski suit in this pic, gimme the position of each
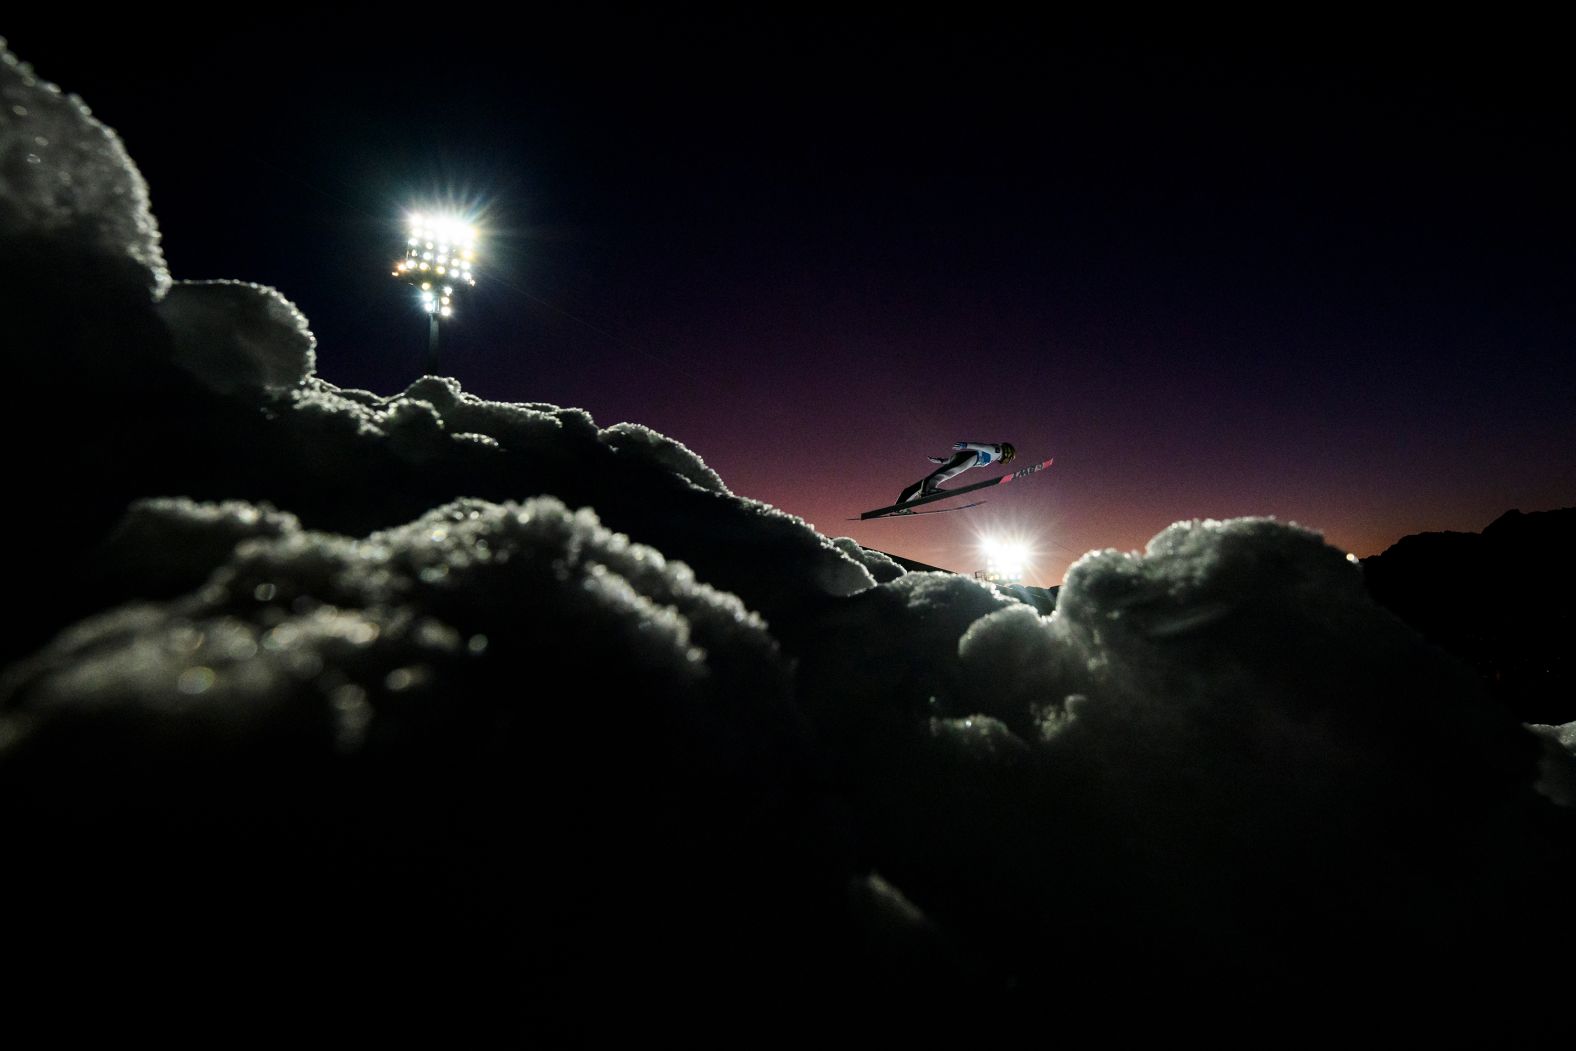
(964, 456)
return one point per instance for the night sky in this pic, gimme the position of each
(1327, 279)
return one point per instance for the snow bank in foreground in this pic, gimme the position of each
(1218, 752)
(66, 180)
(342, 635)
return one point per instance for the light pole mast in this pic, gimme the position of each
(440, 251)
(432, 343)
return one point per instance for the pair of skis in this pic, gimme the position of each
(903, 510)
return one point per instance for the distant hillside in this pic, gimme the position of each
(1499, 599)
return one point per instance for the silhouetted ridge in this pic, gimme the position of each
(1499, 600)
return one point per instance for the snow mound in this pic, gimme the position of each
(238, 336)
(351, 461)
(880, 565)
(1557, 769)
(637, 441)
(67, 181)
(378, 614)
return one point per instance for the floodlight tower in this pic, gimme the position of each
(440, 251)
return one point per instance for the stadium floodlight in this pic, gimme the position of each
(440, 259)
(1006, 560)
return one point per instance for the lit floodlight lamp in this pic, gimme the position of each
(437, 245)
(1006, 560)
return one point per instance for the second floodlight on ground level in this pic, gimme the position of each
(1006, 561)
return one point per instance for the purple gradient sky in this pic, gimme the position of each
(1327, 280)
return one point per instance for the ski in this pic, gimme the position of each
(902, 510)
(903, 513)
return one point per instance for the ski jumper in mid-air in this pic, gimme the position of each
(964, 456)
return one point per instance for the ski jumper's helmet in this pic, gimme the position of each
(1007, 452)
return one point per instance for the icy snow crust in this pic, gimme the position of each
(66, 179)
(427, 716)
